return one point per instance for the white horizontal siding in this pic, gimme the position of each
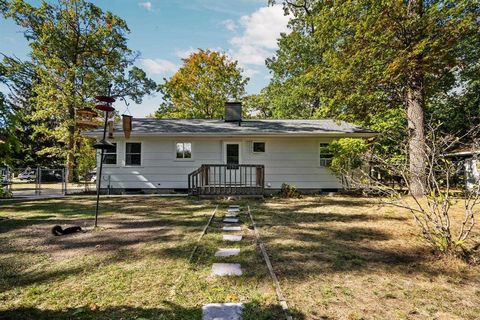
(290, 160)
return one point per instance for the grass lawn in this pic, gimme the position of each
(135, 267)
(350, 258)
(336, 258)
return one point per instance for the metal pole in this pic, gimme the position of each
(99, 173)
(66, 180)
(63, 181)
(39, 180)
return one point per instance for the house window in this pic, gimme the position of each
(133, 154)
(258, 147)
(326, 155)
(233, 155)
(184, 150)
(110, 155)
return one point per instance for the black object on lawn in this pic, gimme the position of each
(59, 231)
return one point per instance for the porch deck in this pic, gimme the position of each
(223, 179)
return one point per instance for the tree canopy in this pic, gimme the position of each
(200, 88)
(365, 61)
(77, 50)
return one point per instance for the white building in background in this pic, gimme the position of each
(224, 156)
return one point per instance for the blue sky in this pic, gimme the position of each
(164, 31)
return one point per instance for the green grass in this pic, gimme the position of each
(352, 258)
(336, 258)
(134, 267)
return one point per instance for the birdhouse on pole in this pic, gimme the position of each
(127, 125)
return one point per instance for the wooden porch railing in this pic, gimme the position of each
(223, 179)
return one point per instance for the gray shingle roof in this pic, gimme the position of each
(184, 127)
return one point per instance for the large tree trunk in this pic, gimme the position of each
(415, 110)
(416, 143)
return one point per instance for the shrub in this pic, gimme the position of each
(4, 193)
(289, 191)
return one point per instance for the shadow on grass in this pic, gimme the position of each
(320, 240)
(171, 311)
(24, 241)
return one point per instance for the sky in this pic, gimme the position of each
(165, 31)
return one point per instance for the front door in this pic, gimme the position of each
(232, 160)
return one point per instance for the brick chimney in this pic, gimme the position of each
(233, 112)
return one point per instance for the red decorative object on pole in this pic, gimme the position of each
(106, 99)
(104, 107)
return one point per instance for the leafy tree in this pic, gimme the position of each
(77, 50)
(347, 154)
(357, 59)
(200, 88)
(27, 143)
(8, 142)
(257, 106)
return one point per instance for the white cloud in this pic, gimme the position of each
(184, 53)
(146, 5)
(230, 25)
(250, 72)
(258, 40)
(159, 66)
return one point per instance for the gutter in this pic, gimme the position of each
(223, 135)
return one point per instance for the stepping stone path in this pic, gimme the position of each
(231, 237)
(236, 228)
(222, 311)
(227, 269)
(226, 252)
(226, 311)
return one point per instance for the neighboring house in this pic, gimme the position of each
(468, 164)
(231, 156)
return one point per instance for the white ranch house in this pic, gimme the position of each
(231, 156)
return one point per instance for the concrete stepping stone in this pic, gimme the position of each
(222, 311)
(232, 228)
(231, 237)
(234, 206)
(230, 220)
(231, 215)
(227, 252)
(227, 269)
(233, 210)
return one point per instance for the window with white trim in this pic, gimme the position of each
(133, 154)
(258, 147)
(110, 155)
(183, 150)
(326, 155)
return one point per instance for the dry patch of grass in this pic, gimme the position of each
(134, 267)
(352, 258)
(336, 257)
